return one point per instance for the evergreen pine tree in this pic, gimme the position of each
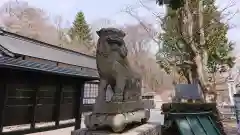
(80, 30)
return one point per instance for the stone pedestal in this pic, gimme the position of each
(118, 115)
(122, 107)
(145, 129)
(117, 121)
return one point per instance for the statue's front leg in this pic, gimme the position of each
(102, 91)
(118, 95)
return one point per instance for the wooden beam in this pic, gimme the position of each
(79, 104)
(58, 100)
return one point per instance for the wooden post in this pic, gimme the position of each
(58, 100)
(79, 104)
(3, 100)
(35, 86)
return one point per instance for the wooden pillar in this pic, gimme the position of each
(3, 100)
(58, 100)
(79, 104)
(35, 87)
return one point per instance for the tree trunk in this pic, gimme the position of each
(202, 59)
(201, 55)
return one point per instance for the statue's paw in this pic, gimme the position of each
(117, 98)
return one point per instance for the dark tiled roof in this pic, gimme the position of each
(29, 65)
(17, 44)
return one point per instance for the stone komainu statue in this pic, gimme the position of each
(126, 106)
(114, 69)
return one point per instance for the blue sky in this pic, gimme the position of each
(111, 9)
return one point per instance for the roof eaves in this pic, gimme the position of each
(24, 64)
(6, 51)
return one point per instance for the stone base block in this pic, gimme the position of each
(123, 107)
(145, 129)
(117, 122)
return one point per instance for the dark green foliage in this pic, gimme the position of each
(80, 29)
(218, 46)
(217, 43)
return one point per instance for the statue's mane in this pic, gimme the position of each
(107, 35)
(111, 31)
(102, 46)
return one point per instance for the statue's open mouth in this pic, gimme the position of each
(117, 41)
